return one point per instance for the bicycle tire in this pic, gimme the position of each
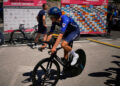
(13, 37)
(79, 66)
(35, 71)
(82, 60)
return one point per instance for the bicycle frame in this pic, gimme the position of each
(56, 58)
(22, 31)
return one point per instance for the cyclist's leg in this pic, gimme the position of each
(66, 54)
(65, 44)
(66, 47)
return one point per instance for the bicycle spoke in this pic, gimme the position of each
(43, 68)
(46, 73)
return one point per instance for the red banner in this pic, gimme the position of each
(85, 2)
(24, 2)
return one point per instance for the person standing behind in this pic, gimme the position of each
(42, 27)
(109, 21)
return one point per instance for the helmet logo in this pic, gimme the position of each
(63, 25)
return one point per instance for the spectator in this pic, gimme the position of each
(109, 20)
(42, 27)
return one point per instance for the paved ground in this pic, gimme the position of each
(102, 67)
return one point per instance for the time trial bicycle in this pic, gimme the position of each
(47, 71)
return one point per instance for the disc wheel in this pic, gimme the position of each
(79, 66)
(81, 61)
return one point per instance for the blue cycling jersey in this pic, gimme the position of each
(67, 24)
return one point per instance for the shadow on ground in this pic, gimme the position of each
(40, 74)
(111, 81)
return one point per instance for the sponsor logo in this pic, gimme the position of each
(63, 25)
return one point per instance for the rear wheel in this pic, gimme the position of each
(46, 73)
(80, 65)
(17, 37)
(82, 60)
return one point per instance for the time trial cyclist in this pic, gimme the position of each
(68, 33)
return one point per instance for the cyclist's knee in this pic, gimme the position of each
(64, 44)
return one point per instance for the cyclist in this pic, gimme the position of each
(69, 32)
(42, 27)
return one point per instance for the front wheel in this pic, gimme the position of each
(46, 73)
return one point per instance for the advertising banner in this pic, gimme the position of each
(18, 12)
(24, 2)
(14, 17)
(92, 19)
(85, 2)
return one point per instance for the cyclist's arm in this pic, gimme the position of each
(58, 40)
(63, 29)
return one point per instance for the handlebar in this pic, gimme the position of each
(49, 52)
(47, 42)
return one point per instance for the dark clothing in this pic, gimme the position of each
(109, 27)
(110, 22)
(41, 28)
(40, 17)
(108, 16)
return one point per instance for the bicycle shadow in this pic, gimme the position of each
(41, 72)
(29, 79)
(29, 75)
(108, 72)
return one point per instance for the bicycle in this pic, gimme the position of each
(21, 36)
(47, 71)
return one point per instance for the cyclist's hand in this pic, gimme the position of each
(53, 50)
